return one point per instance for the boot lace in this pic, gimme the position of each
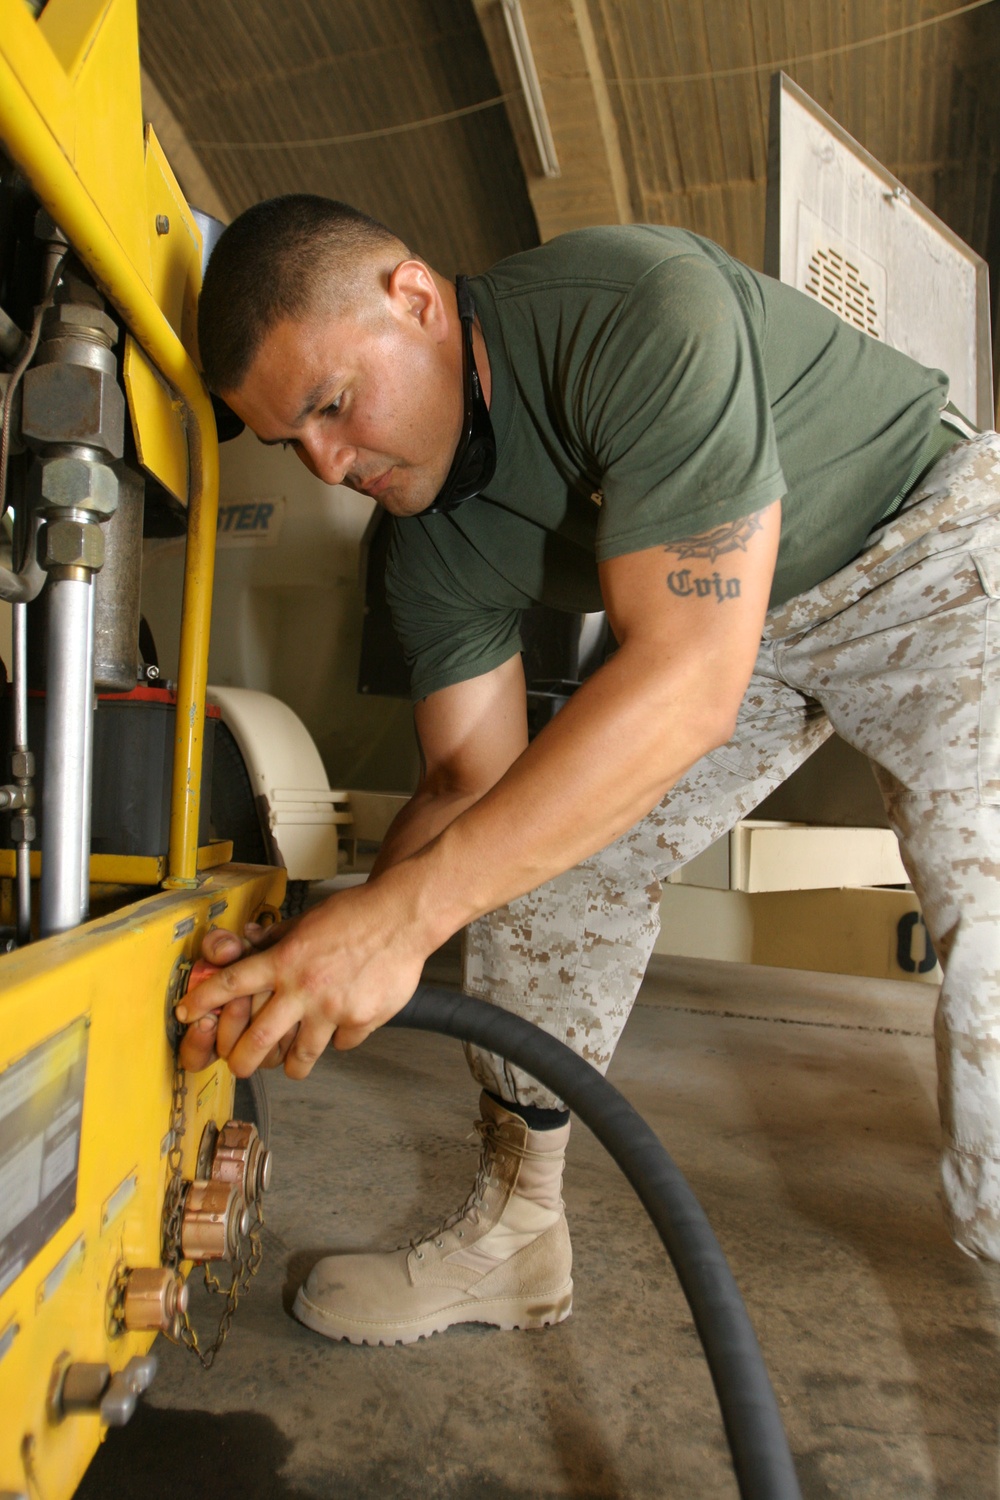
(491, 1142)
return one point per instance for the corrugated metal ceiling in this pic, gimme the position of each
(313, 71)
(683, 125)
(689, 85)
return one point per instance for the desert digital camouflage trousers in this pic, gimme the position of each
(899, 652)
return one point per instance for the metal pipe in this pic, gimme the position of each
(116, 600)
(20, 665)
(29, 141)
(69, 707)
(88, 753)
(192, 673)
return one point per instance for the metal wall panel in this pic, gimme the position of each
(844, 229)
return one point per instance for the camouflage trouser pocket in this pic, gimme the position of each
(988, 567)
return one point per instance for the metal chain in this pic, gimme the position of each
(173, 1200)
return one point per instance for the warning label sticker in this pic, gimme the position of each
(41, 1108)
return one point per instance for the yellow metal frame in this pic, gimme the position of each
(127, 869)
(116, 974)
(71, 118)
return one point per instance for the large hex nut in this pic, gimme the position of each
(73, 544)
(77, 317)
(23, 828)
(66, 480)
(68, 403)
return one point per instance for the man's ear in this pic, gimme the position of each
(414, 294)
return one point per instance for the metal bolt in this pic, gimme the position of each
(67, 402)
(67, 318)
(162, 224)
(77, 482)
(73, 544)
(23, 829)
(22, 763)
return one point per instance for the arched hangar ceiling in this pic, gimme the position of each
(413, 109)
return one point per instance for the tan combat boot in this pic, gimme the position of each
(503, 1258)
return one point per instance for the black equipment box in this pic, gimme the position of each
(133, 765)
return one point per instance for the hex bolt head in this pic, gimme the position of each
(23, 828)
(63, 402)
(73, 544)
(76, 482)
(162, 224)
(68, 318)
(22, 764)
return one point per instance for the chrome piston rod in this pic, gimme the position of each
(68, 740)
(20, 653)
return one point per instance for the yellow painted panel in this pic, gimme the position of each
(109, 980)
(28, 54)
(125, 869)
(218, 852)
(175, 255)
(109, 144)
(71, 27)
(157, 422)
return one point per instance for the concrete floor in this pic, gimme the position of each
(801, 1108)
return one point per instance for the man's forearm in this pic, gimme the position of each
(598, 767)
(418, 822)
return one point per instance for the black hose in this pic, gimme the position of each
(757, 1442)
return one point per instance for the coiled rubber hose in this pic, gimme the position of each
(757, 1442)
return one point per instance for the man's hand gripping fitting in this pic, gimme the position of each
(281, 994)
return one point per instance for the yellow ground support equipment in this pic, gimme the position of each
(117, 1170)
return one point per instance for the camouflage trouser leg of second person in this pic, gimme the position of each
(899, 651)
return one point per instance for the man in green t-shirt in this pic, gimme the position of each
(789, 531)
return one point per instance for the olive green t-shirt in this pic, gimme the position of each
(647, 387)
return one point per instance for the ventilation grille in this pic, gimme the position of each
(839, 285)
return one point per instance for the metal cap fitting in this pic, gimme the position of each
(215, 1219)
(241, 1158)
(154, 1297)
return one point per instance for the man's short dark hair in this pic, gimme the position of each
(280, 259)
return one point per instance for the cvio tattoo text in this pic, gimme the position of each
(686, 586)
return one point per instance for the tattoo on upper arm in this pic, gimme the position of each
(692, 583)
(731, 536)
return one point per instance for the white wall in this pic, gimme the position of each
(288, 609)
